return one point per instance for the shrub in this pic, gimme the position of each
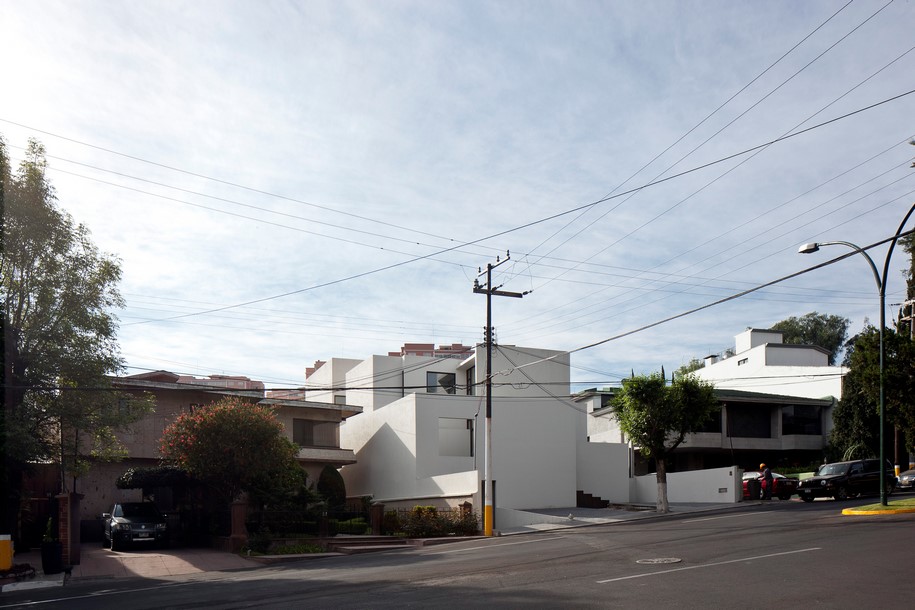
(331, 487)
(430, 522)
(355, 527)
(297, 549)
(259, 541)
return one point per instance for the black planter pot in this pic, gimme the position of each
(52, 561)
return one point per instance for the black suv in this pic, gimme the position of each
(135, 522)
(843, 480)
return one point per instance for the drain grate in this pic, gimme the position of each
(660, 560)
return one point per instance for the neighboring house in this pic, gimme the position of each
(763, 363)
(776, 398)
(750, 427)
(420, 438)
(313, 426)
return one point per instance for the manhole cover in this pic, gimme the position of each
(661, 560)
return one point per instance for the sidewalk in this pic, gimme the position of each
(101, 563)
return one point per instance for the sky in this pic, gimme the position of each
(291, 181)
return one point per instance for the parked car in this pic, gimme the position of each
(907, 480)
(782, 487)
(843, 480)
(134, 523)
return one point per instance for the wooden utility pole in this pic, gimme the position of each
(489, 291)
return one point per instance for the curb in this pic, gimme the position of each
(890, 511)
(37, 583)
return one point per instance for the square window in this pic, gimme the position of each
(440, 383)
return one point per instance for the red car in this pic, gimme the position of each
(782, 487)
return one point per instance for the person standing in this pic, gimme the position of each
(767, 481)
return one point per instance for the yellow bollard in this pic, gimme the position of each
(6, 552)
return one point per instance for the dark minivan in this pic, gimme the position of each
(843, 480)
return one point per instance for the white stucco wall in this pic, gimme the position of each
(331, 374)
(384, 442)
(534, 434)
(603, 470)
(763, 364)
(753, 337)
(718, 485)
(382, 378)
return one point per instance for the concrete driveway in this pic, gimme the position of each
(98, 562)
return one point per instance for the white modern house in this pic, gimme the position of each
(762, 362)
(419, 438)
(776, 406)
(749, 428)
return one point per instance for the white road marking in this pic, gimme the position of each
(721, 517)
(706, 565)
(489, 546)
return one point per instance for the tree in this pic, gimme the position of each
(57, 294)
(657, 417)
(332, 487)
(856, 419)
(232, 445)
(823, 330)
(694, 364)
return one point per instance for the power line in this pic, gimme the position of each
(542, 220)
(719, 301)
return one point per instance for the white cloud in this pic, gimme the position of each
(449, 122)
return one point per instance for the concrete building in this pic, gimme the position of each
(749, 428)
(776, 406)
(313, 426)
(420, 436)
(762, 362)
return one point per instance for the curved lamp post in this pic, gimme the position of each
(881, 287)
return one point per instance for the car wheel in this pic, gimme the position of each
(841, 494)
(115, 546)
(807, 498)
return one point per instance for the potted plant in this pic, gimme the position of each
(51, 551)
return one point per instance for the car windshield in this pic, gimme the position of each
(141, 511)
(830, 469)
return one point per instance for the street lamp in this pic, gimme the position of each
(881, 289)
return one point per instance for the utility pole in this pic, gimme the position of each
(489, 291)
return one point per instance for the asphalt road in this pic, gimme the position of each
(784, 554)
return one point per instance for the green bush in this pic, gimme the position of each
(259, 541)
(355, 527)
(390, 523)
(331, 487)
(297, 549)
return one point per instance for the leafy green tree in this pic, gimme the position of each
(233, 446)
(657, 417)
(694, 364)
(57, 294)
(856, 419)
(823, 330)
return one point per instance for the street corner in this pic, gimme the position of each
(877, 512)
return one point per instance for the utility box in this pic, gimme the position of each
(6, 552)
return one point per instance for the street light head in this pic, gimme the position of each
(808, 248)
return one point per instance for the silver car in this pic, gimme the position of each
(907, 480)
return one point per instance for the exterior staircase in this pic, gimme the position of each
(352, 545)
(586, 500)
